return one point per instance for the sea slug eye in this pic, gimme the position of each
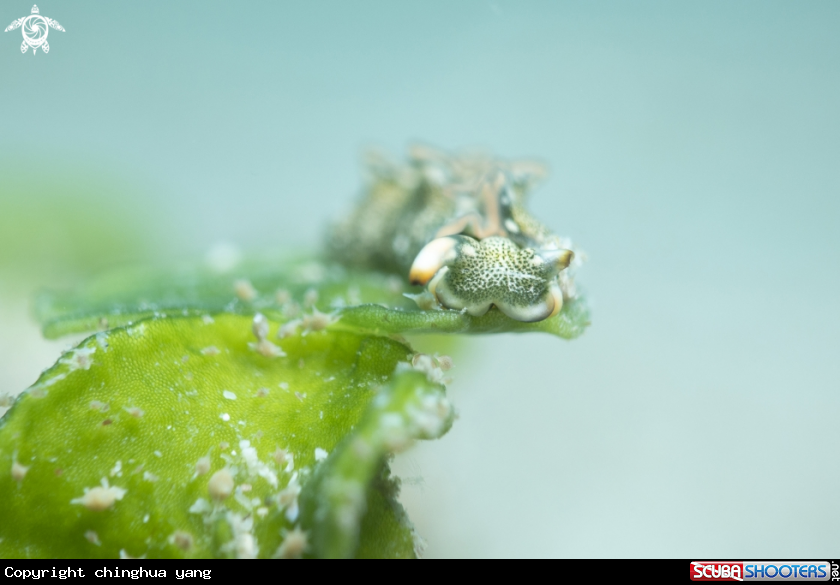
(435, 255)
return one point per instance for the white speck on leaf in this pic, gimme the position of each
(243, 544)
(288, 328)
(19, 471)
(260, 326)
(80, 359)
(317, 320)
(201, 506)
(181, 539)
(266, 348)
(288, 498)
(102, 340)
(220, 485)
(293, 546)
(134, 411)
(281, 456)
(100, 498)
(245, 290)
(202, 466)
(255, 466)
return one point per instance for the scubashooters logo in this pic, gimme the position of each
(35, 29)
(764, 571)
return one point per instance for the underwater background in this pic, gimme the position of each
(694, 150)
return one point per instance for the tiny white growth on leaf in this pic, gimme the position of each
(80, 359)
(288, 328)
(134, 411)
(280, 456)
(202, 466)
(19, 471)
(181, 539)
(245, 290)
(317, 321)
(102, 339)
(294, 545)
(394, 432)
(426, 364)
(243, 544)
(255, 466)
(266, 348)
(288, 498)
(100, 498)
(201, 506)
(260, 326)
(444, 362)
(220, 485)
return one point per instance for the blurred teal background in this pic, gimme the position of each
(694, 149)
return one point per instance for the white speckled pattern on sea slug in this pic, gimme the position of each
(494, 271)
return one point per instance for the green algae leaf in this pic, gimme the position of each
(410, 407)
(286, 286)
(285, 289)
(569, 323)
(190, 437)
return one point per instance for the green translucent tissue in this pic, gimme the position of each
(193, 426)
